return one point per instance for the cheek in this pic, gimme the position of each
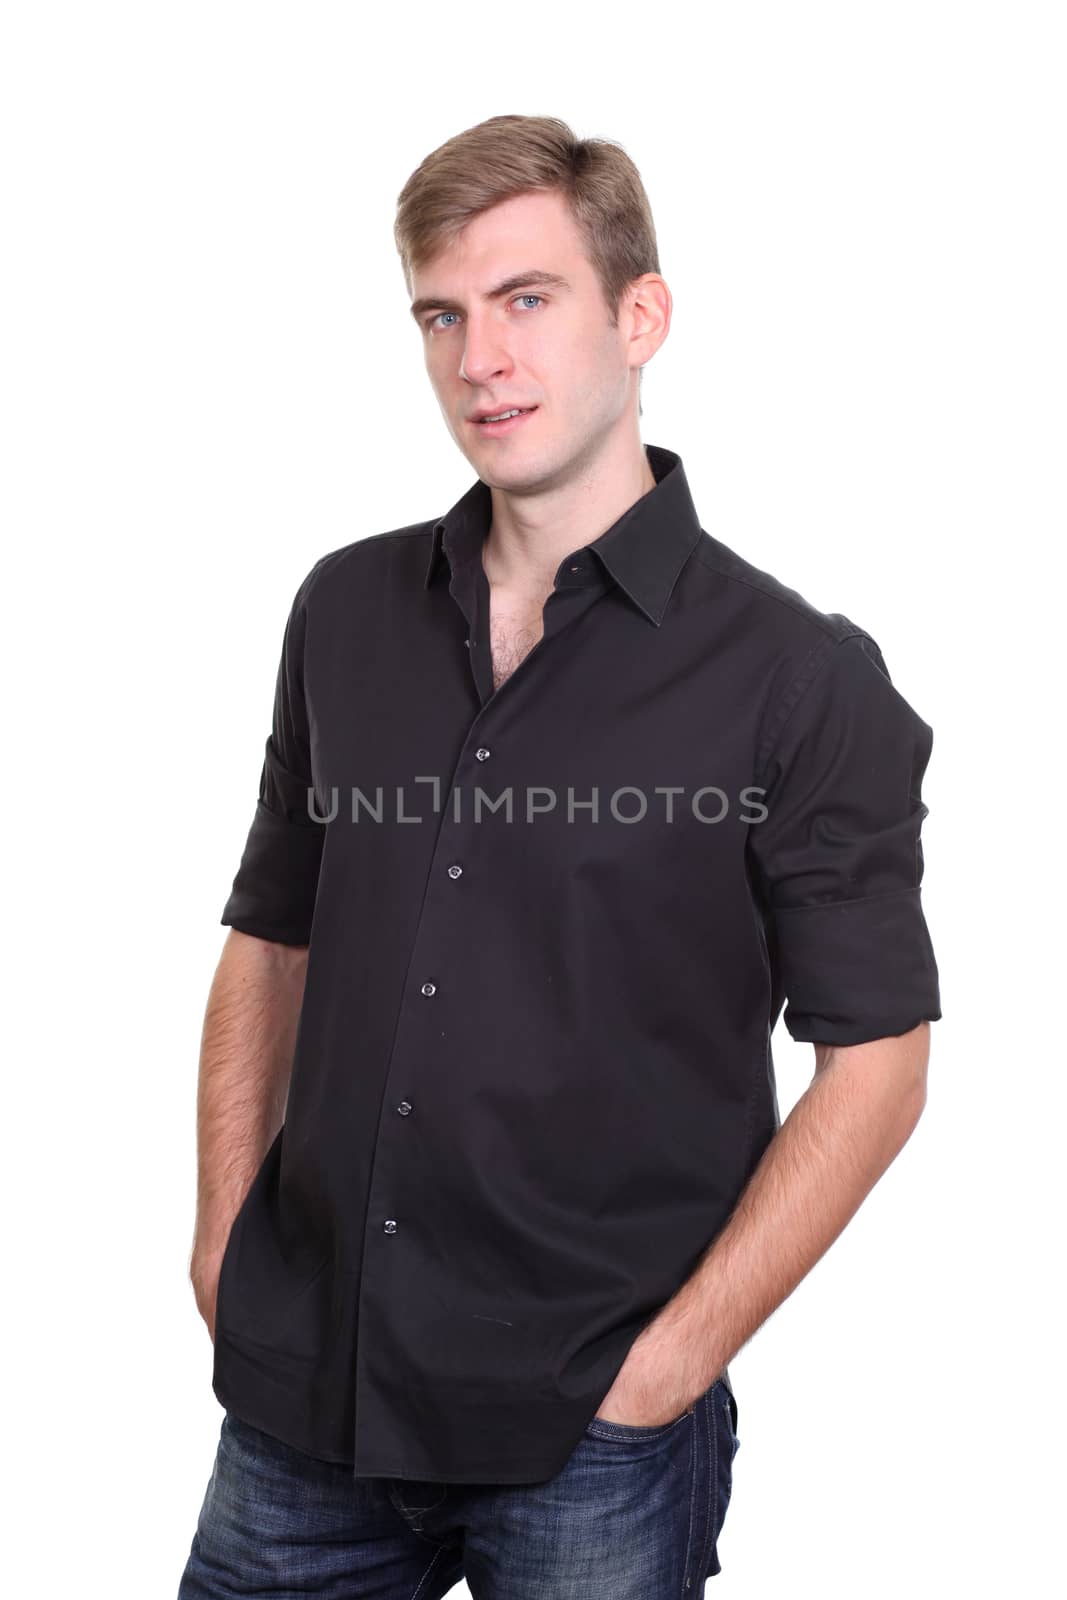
(589, 366)
(592, 390)
(436, 363)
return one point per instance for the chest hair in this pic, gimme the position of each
(512, 636)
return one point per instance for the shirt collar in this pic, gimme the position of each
(644, 550)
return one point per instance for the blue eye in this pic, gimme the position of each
(440, 314)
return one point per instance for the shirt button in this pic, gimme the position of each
(404, 1108)
(390, 1226)
(482, 754)
(454, 872)
(429, 988)
(467, 643)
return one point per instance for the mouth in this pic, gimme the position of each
(496, 429)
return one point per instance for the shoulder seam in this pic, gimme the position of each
(809, 612)
(332, 556)
(811, 668)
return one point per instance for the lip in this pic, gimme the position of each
(495, 430)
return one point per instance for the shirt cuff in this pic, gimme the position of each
(273, 894)
(857, 970)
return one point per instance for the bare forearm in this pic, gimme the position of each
(246, 1058)
(840, 1137)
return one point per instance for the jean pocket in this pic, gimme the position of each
(600, 1428)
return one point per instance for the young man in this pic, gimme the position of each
(562, 800)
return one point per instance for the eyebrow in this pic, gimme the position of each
(517, 280)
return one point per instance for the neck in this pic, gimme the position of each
(532, 532)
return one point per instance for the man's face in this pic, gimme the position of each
(549, 346)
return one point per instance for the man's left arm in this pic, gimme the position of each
(851, 1122)
(838, 863)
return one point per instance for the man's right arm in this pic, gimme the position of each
(246, 1057)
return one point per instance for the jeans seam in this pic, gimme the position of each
(433, 1562)
(709, 1477)
(713, 1503)
(694, 1479)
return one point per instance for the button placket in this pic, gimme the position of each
(428, 988)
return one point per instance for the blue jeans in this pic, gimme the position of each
(634, 1515)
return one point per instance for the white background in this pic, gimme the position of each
(210, 378)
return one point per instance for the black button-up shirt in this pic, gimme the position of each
(551, 929)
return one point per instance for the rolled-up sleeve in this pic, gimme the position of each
(273, 894)
(838, 857)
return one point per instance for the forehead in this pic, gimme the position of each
(509, 236)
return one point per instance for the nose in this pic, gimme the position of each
(485, 355)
